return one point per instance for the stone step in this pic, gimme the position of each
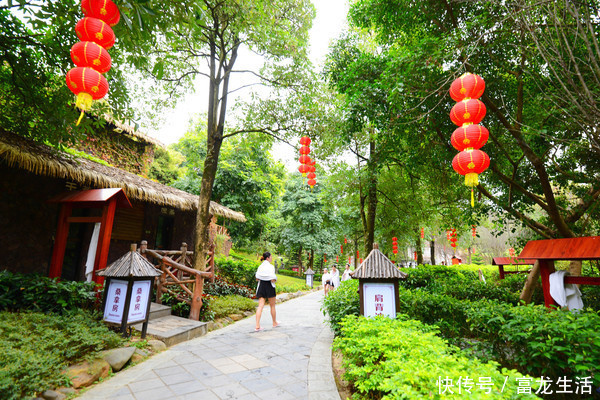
(172, 329)
(158, 311)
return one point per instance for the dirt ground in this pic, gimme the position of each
(344, 388)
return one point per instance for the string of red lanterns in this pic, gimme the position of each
(467, 113)
(452, 237)
(422, 233)
(307, 166)
(90, 55)
(474, 230)
(395, 245)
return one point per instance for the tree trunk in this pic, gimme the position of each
(531, 283)
(575, 268)
(432, 250)
(371, 199)
(312, 259)
(419, 259)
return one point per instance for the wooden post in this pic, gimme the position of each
(108, 216)
(161, 281)
(197, 299)
(501, 271)
(60, 242)
(546, 268)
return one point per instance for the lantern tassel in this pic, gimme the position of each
(472, 198)
(84, 103)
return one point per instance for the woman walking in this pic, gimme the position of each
(265, 275)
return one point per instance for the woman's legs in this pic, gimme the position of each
(261, 304)
(273, 313)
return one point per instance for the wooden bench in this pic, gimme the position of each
(551, 250)
(501, 262)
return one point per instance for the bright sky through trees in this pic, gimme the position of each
(329, 22)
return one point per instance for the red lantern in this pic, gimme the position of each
(305, 140)
(95, 30)
(415, 256)
(360, 261)
(395, 251)
(394, 239)
(469, 136)
(90, 54)
(88, 84)
(345, 240)
(304, 159)
(471, 163)
(342, 249)
(311, 168)
(303, 168)
(511, 252)
(474, 231)
(468, 86)
(337, 259)
(105, 10)
(469, 111)
(311, 183)
(304, 150)
(422, 233)
(311, 175)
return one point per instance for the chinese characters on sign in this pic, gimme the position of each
(525, 385)
(379, 299)
(115, 301)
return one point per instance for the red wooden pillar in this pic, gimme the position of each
(501, 271)
(108, 217)
(60, 242)
(546, 268)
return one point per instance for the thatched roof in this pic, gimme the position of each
(131, 264)
(130, 130)
(377, 265)
(46, 161)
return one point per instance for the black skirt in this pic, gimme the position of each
(265, 289)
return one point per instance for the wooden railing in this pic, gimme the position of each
(176, 267)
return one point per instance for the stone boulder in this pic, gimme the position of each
(156, 345)
(117, 358)
(86, 373)
(52, 395)
(236, 317)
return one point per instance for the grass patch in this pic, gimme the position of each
(290, 284)
(35, 347)
(232, 304)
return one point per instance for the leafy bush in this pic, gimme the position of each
(232, 304)
(40, 293)
(35, 347)
(341, 302)
(242, 271)
(288, 272)
(404, 359)
(539, 342)
(222, 287)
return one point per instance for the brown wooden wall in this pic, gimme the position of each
(28, 224)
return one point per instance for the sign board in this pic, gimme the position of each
(309, 280)
(379, 299)
(295, 269)
(115, 301)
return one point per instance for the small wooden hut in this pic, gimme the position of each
(378, 285)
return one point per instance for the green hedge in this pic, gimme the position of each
(404, 359)
(239, 270)
(341, 302)
(35, 347)
(232, 304)
(40, 293)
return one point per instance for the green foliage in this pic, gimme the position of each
(404, 359)
(40, 293)
(537, 341)
(165, 166)
(288, 272)
(231, 304)
(288, 284)
(222, 287)
(35, 347)
(341, 302)
(241, 271)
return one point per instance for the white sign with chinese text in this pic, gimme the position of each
(115, 301)
(309, 280)
(139, 301)
(379, 299)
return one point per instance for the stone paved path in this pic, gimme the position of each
(292, 361)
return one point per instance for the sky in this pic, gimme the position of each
(329, 22)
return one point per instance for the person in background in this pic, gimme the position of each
(335, 278)
(265, 275)
(347, 275)
(326, 281)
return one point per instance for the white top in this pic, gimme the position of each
(346, 275)
(565, 295)
(266, 272)
(326, 277)
(335, 278)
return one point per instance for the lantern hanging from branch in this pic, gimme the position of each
(311, 175)
(474, 230)
(470, 136)
(422, 233)
(90, 55)
(303, 169)
(312, 183)
(304, 159)
(304, 140)
(342, 249)
(304, 150)
(395, 245)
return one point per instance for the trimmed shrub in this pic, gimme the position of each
(35, 347)
(341, 302)
(223, 287)
(232, 304)
(236, 269)
(404, 359)
(40, 293)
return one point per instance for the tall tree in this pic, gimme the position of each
(541, 158)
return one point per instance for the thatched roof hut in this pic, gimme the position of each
(47, 161)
